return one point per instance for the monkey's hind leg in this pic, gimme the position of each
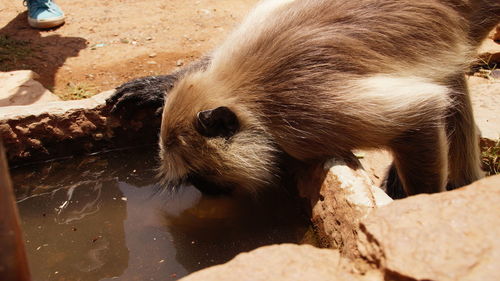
(421, 160)
(464, 155)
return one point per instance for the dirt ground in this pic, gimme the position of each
(105, 43)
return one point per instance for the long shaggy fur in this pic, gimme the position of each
(317, 78)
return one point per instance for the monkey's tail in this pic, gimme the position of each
(485, 15)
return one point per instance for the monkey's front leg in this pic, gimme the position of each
(421, 160)
(141, 93)
(149, 93)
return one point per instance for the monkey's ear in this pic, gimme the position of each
(218, 122)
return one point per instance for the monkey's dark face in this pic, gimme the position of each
(206, 137)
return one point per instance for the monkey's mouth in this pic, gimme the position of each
(208, 187)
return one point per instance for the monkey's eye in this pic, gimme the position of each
(218, 122)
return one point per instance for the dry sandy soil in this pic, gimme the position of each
(105, 43)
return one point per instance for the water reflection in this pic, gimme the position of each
(102, 218)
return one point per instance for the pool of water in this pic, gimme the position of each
(104, 217)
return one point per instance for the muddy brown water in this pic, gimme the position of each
(104, 217)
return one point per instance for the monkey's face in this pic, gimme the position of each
(206, 137)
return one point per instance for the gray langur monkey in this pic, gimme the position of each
(314, 79)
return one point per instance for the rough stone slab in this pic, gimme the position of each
(54, 107)
(359, 189)
(376, 163)
(60, 129)
(340, 193)
(285, 262)
(485, 96)
(447, 236)
(20, 88)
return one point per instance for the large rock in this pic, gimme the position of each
(20, 88)
(446, 236)
(340, 193)
(285, 262)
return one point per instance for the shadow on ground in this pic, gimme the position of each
(35, 50)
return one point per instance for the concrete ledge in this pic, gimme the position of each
(60, 129)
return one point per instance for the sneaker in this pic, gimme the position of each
(44, 13)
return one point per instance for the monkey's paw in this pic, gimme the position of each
(145, 93)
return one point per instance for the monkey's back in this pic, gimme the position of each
(426, 38)
(335, 75)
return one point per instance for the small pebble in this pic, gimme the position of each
(179, 63)
(205, 11)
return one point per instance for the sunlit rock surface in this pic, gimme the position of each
(286, 262)
(21, 88)
(446, 236)
(485, 96)
(340, 193)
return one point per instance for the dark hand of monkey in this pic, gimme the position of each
(145, 93)
(148, 93)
